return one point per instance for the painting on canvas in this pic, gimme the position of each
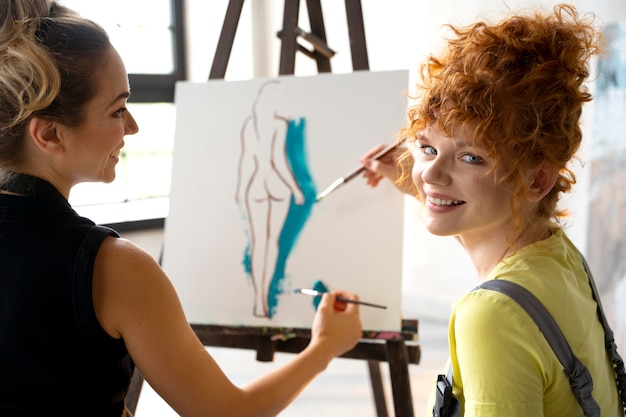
(245, 227)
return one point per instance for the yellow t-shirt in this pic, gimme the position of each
(503, 365)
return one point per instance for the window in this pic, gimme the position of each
(148, 34)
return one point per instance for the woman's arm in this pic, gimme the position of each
(136, 301)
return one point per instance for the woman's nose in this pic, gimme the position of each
(435, 171)
(130, 125)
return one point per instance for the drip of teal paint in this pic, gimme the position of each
(247, 259)
(321, 287)
(297, 156)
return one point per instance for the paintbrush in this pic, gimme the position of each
(316, 293)
(332, 187)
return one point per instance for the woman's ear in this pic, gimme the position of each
(542, 181)
(44, 135)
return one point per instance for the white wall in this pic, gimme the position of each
(399, 33)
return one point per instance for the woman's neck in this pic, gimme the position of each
(487, 253)
(26, 185)
(50, 176)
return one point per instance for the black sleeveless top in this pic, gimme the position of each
(55, 358)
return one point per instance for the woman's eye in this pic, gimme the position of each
(429, 150)
(119, 112)
(471, 159)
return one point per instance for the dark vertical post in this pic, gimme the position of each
(316, 20)
(227, 37)
(377, 388)
(399, 375)
(288, 37)
(356, 29)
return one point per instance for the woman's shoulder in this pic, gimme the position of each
(123, 273)
(494, 315)
(485, 307)
(485, 321)
(122, 254)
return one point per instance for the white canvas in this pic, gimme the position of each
(351, 239)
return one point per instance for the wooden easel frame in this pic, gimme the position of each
(398, 349)
(289, 36)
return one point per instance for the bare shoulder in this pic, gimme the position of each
(127, 263)
(123, 250)
(127, 282)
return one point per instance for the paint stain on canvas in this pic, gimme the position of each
(321, 287)
(298, 213)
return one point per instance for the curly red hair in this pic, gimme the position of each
(519, 86)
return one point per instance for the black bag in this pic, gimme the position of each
(446, 404)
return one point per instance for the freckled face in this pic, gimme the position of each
(461, 196)
(93, 148)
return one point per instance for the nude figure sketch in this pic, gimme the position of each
(275, 192)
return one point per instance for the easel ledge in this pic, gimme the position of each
(268, 340)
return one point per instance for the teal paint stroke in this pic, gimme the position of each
(318, 285)
(297, 156)
(247, 259)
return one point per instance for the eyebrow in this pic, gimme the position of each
(124, 95)
(460, 143)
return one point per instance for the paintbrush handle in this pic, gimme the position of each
(341, 298)
(378, 155)
(363, 303)
(357, 170)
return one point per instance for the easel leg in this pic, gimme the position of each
(399, 375)
(377, 388)
(288, 50)
(356, 30)
(132, 397)
(227, 37)
(316, 20)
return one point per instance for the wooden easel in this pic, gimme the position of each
(289, 36)
(398, 349)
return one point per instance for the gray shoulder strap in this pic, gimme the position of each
(579, 376)
(609, 340)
